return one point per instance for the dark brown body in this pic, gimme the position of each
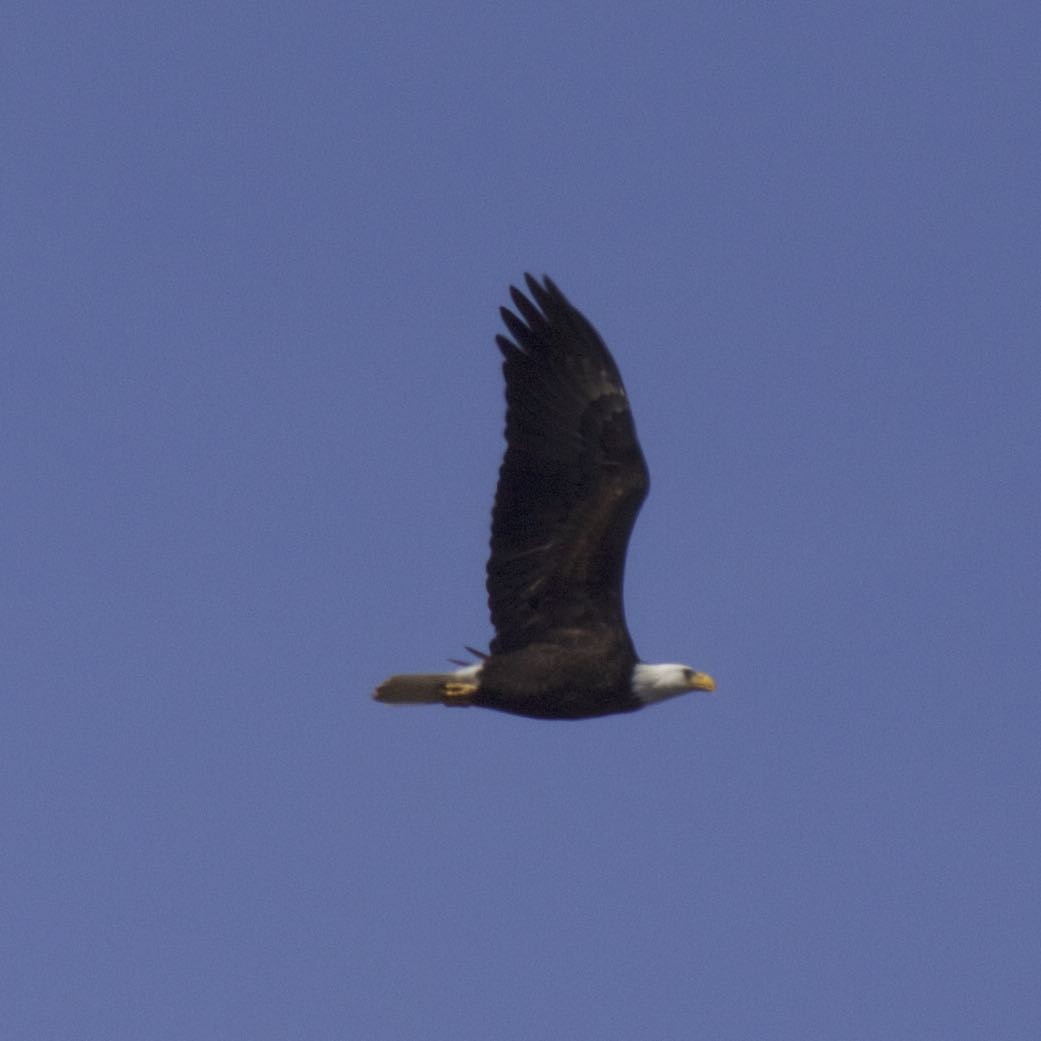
(548, 681)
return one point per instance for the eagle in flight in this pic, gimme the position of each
(570, 486)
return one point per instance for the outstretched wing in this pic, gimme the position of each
(571, 483)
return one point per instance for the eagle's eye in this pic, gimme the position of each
(688, 674)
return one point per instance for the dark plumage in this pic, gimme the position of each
(571, 484)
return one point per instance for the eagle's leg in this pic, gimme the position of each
(455, 693)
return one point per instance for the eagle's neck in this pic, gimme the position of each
(657, 682)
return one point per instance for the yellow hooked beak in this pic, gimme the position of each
(702, 681)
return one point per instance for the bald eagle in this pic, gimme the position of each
(570, 486)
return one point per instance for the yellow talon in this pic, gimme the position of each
(458, 693)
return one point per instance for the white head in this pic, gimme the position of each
(657, 682)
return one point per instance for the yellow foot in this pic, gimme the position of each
(458, 693)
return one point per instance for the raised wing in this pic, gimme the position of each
(571, 483)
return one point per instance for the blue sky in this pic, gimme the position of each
(251, 414)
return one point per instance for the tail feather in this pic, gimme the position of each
(413, 689)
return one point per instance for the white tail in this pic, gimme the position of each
(413, 689)
(431, 688)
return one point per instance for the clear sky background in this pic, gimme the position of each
(250, 423)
